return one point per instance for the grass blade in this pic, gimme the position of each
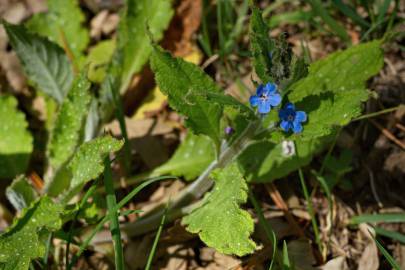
(268, 230)
(286, 260)
(331, 22)
(390, 234)
(113, 215)
(155, 242)
(386, 255)
(310, 210)
(326, 189)
(122, 203)
(384, 217)
(351, 13)
(383, 10)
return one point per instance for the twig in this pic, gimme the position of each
(388, 134)
(280, 203)
(369, 115)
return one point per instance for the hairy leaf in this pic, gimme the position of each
(98, 59)
(186, 85)
(44, 62)
(140, 17)
(220, 222)
(341, 71)
(261, 45)
(69, 123)
(191, 158)
(20, 193)
(15, 139)
(62, 24)
(265, 161)
(86, 164)
(25, 239)
(333, 91)
(88, 161)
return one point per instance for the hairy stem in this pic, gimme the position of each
(194, 191)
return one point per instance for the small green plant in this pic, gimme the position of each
(295, 112)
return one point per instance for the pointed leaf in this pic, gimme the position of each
(334, 90)
(44, 62)
(261, 45)
(69, 123)
(185, 84)
(62, 24)
(220, 222)
(141, 16)
(86, 164)
(88, 161)
(15, 139)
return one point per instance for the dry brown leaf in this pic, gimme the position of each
(338, 263)
(185, 22)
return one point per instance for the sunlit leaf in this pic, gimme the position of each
(219, 221)
(15, 139)
(25, 239)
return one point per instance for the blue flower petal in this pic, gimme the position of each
(285, 125)
(274, 100)
(297, 127)
(260, 90)
(282, 114)
(254, 101)
(264, 107)
(300, 116)
(289, 106)
(270, 88)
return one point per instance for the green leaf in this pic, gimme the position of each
(391, 234)
(86, 164)
(24, 241)
(63, 24)
(186, 85)
(384, 217)
(69, 123)
(88, 161)
(286, 260)
(219, 221)
(15, 139)
(387, 255)
(98, 59)
(191, 158)
(140, 17)
(261, 45)
(332, 93)
(264, 161)
(45, 63)
(20, 193)
(338, 29)
(341, 71)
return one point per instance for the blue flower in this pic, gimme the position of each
(291, 119)
(266, 96)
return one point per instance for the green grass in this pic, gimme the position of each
(384, 217)
(267, 229)
(113, 216)
(386, 254)
(156, 240)
(121, 204)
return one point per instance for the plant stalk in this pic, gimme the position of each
(194, 191)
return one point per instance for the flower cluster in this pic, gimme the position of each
(267, 96)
